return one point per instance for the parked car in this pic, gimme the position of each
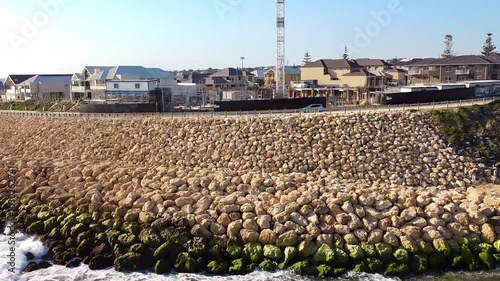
(316, 106)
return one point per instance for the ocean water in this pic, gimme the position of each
(25, 244)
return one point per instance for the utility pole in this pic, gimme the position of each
(280, 50)
(242, 63)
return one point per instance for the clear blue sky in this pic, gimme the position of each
(196, 34)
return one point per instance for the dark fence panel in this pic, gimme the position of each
(118, 108)
(276, 104)
(430, 96)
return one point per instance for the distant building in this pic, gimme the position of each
(90, 84)
(291, 74)
(2, 90)
(229, 78)
(236, 95)
(13, 88)
(454, 69)
(47, 87)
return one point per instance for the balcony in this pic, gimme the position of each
(415, 72)
(462, 72)
(98, 87)
(79, 89)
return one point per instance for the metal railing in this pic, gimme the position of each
(200, 114)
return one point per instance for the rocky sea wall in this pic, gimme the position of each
(320, 194)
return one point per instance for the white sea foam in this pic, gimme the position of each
(27, 244)
(11, 266)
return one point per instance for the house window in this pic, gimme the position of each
(448, 69)
(479, 77)
(116, 86)
(432, 68)
(463, 67)
(447, 79)
(137, 86)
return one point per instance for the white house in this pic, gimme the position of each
(2, 90)
(90, 84)
(236, 95)
(13, 88)
(47, 87)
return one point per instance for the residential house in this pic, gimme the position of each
(198, 80)
(399, 76)
(2, 90)
(90, 84)
(47, 87)
(374, 64)
(454, 69)
(291, 74)
(229, 78)
(259, 76)
(14, 90)
(134, 83)
(192, 77)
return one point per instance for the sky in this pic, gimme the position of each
(62, 36)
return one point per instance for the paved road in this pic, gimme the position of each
(335, 110)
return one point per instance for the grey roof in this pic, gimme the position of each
(140, 71)
(456, 60)
(259, 73)
(494, 58)
(391, 70)
(333, 63)
(54, 78)
(101, 75)
(423, 62)
(360, 72)
(18, 79)
(372, 62)
(219, 80)
(78, 76)
(2, 80)
(92, 69)
(228, 72)
(468, 59)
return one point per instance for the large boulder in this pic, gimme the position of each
(355, 252)
(289, 254)
(163, 266)
(185, 263)
(253, 252)
(218, 267)
(33, 266)
(99, 262)
(150, 238)
(272, 252)
(324, 255)
(307, 249)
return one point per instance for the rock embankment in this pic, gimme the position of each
(320, 194)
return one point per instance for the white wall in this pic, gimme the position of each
(130, 86)
(50, 87)
(167, 82)
(235, 95)
(185, 89)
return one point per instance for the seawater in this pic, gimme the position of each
(25, 244)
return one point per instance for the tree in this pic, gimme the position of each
(488, 47)
(448, 47)
(346, 53)
(307, 58)
(395, 60)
